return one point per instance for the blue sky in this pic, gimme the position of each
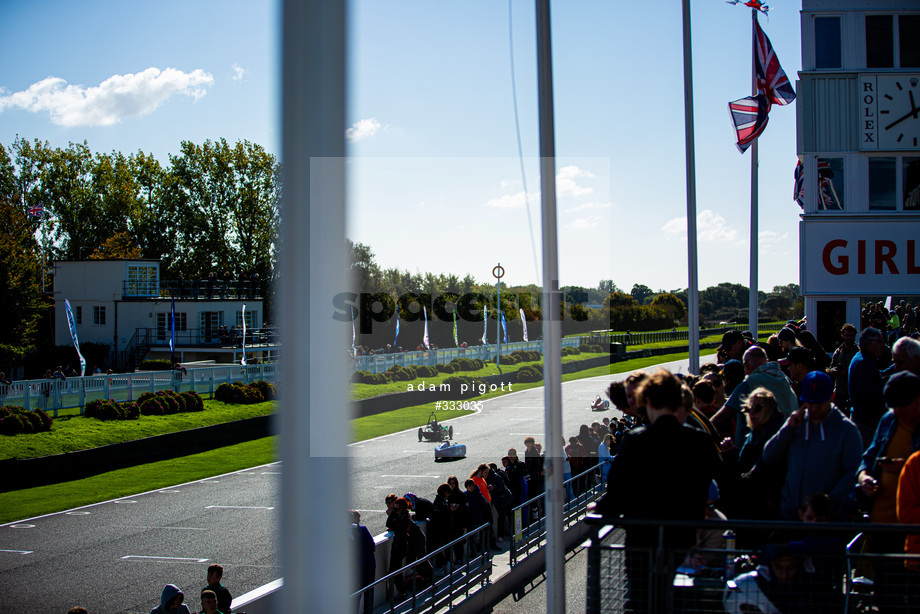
(435, 180)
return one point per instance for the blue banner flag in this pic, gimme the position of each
(396, 338)
(504, 328)
(73, 335)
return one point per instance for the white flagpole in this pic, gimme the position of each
(752, 301)
(552, 326)
(693, 319)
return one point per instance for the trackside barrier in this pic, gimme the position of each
(378, 363)
(782, 567)
(52, 395)
(529, 526)
(419, 594)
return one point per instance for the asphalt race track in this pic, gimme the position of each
(116, 556)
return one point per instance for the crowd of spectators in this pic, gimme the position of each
(804, 434)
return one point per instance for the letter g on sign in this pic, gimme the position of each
(842, 265)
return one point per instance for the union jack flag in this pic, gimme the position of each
(798, 192)
(750, 115)
(828, 200)
(37, 210)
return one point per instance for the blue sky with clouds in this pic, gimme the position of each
(435, 180)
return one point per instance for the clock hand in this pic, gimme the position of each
(913, 113)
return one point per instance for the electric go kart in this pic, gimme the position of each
(434, 431)
(600, 404)
(447, 450)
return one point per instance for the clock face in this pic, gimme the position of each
(899, 112)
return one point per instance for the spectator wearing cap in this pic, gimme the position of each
(821, 447)
(840, 365)
(897, 438)
(760, 373)
(733, 346)
(864, 381)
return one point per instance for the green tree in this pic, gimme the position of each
(363, 268)
(223, 204)
(20, 283)
(670, 303)
(640, 293)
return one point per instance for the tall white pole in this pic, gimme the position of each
(752, 301)
(693, 319)
(552, 326)
(315, 549)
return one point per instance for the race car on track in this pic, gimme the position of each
(600, 404)
(449, 450)
(434, 431)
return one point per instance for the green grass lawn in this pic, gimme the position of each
(70, 433)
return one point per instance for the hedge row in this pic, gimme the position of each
(239, 393)
(169, 402)
(17, 420)
(107, 409)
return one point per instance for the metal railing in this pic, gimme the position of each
(438, 592)
(191, 290)
(378, 363)
(529, 529)
(683, 335)
(52, 395)
(784, 566)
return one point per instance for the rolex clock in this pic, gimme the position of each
(889, 109)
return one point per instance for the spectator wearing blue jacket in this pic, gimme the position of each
(821, 446)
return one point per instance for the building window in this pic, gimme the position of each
(879, 41)
(830, 184)
(251, 319)
(99, 315)
(882, 180)
(910, 173)
(163, 328)
(908, 35)
(78, 314)
(827, 42)
(211, 322)
(142, 280)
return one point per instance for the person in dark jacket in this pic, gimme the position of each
(363, 543)
(479, 513)
(459, 513)
(171, 601)
(440, 524)
(516, 473)
(663, 471)
(501, 499)
(224, 599)
(864, 383)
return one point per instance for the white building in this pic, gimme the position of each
(126, 304)
(858, 137)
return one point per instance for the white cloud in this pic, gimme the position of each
(116, 98)
(710, 228)
(591, 205)
(565, 181)
(584, 223)
(238, 72)
(770, 238)
(512, 201)
(362, 129)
